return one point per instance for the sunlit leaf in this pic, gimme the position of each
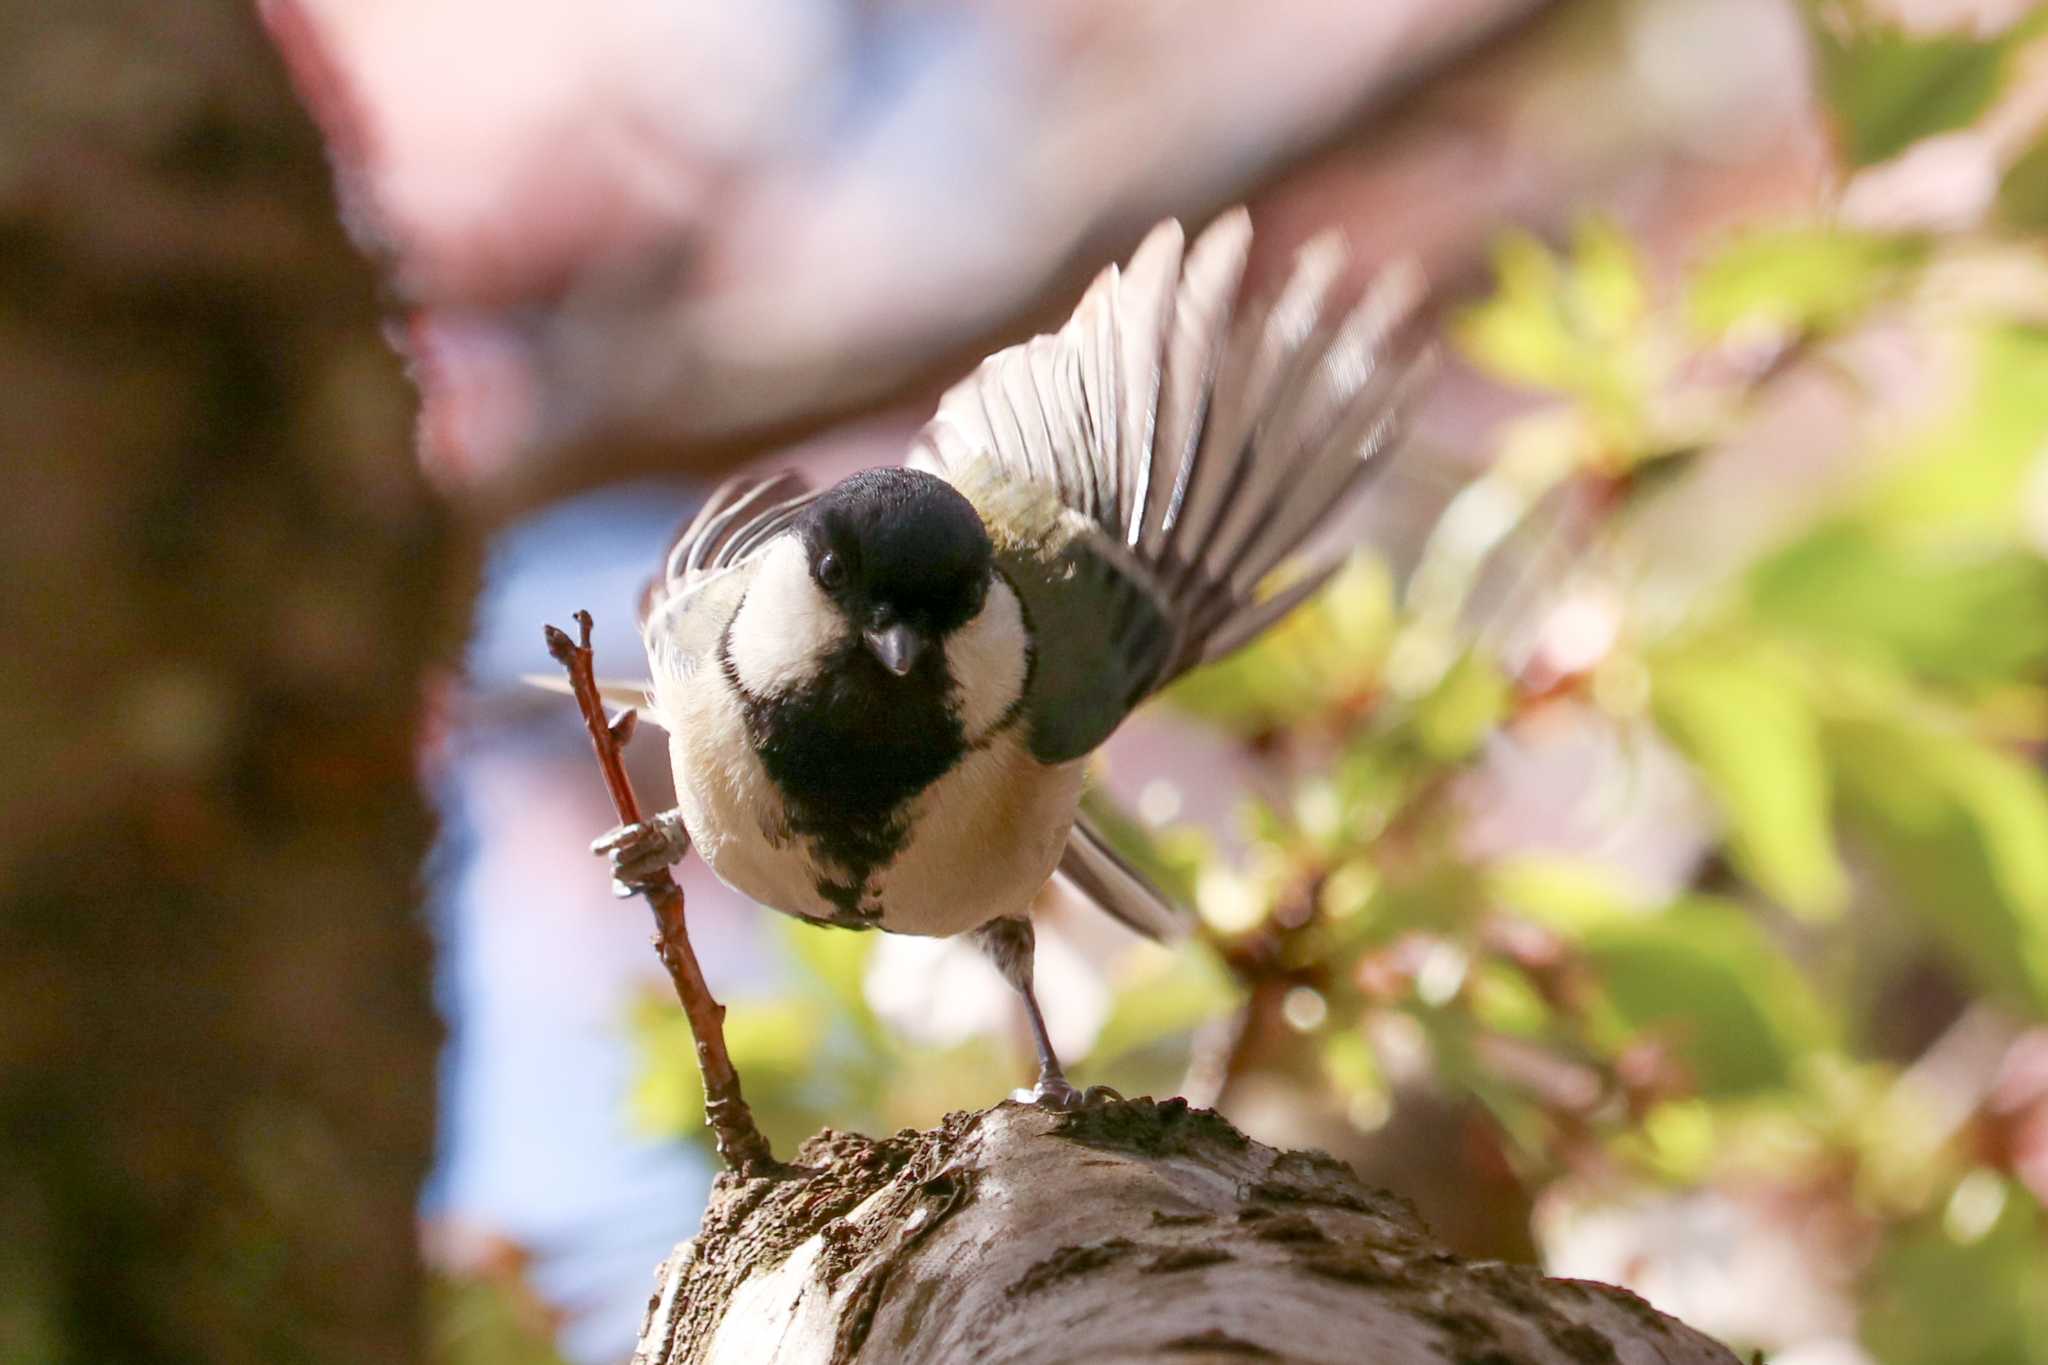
(1678, 1139)
(668, 1091)
(1504, 1000)
(1519, 334)
(487, 1320)
(776, 1047)
(920, 1086)
(1569, 895)
(1570, 325)
(1888, 88)
(1609, 289)
(1704, 976)
(1967, 473)
(1949, 614)
(1797, 279)
(1962, 833)
(837, 960)
(1452, 721)
(1747, 726)
(1326, 652)
(2023, 195)
(1350, 1064)
(1936, 1299)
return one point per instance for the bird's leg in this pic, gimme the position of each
(1009, 942)
(640, 852)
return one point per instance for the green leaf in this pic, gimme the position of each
(1961, 615)
(1519, 334)
(1609, 291)
(775, 1046)
(1504, 1000)
(1350, 1065)
(1962, 832)
(2023, 197)
(1326, 652)
(490, 1318)
(1967, 473)
(1888, 88)
(1569, 895)
(1465, 707)
(1936, 1299)
(1566, 325)
(837, 959)
(1800, 279)
(1705, 976)
(1748, 727)
(1163, 999)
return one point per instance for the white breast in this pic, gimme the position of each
(987, 837)
(984, 838)
(988, 660)
(729, 805)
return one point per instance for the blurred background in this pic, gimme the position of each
(1638, 858)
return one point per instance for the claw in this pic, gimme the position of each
(1058, 1094)
(640, 853)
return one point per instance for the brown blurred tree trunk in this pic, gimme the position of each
(223, 584)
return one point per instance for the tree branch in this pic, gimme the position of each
(740, 1143)
(1133, 1231)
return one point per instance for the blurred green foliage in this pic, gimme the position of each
(2023, 197)
(1799, 279)
(1861, 705)
(1890, 88)
(488, 1315)
(1967, 1287)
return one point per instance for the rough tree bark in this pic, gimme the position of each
(1137, 1231)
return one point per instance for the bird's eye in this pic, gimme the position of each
(831, 571)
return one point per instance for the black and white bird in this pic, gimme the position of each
(881, 697)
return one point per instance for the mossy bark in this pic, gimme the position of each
(1138, 1231)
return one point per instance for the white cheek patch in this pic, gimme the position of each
(987, 659)
(785, 625)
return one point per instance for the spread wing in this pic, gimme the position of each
(1151, 470)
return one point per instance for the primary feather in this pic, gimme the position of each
(1147, 469)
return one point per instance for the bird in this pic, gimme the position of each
(882, 696)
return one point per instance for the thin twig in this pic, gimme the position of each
(740, 1143)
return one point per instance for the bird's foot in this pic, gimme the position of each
(1058, 1094)
(641, 853)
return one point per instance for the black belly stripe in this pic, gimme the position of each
(848, 753)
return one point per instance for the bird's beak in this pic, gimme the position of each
(897, 647)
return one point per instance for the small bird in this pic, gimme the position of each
(881, 697)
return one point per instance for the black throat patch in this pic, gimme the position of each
(848, 752)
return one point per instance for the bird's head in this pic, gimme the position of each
(903, 558)
(888, 582)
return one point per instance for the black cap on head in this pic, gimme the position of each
(899, 547)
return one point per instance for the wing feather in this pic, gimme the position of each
(1149, 468)
(1202, 308)
(1141, 327)
(741, 515)
(1103, 875)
